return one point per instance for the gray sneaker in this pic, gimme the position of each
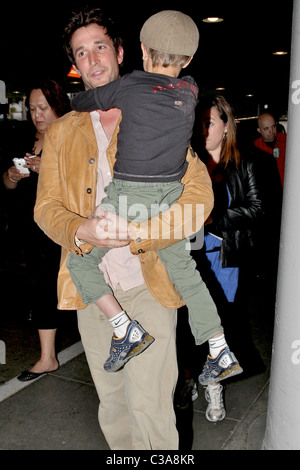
(215, 410)
(123, 349)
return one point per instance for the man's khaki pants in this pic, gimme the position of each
(136, 402)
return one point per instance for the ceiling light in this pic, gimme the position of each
(280, 53)
(213, 19)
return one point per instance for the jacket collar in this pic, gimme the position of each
(83, 123)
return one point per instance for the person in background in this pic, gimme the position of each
(47, 101)
(230, 230)
(272, 141)
(136, 403)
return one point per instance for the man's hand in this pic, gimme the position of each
(105, 230)
(115, 226)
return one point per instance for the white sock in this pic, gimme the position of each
(119, 323)
(216, 345)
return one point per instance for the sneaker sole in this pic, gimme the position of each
(235, 370)
(135, 352)
(216, 419)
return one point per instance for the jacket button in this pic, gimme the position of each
(91, 160)
(89, 190)
(140, 251)
(138, 240)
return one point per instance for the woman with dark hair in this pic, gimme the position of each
(231, 227)
(55, 96)
(47, 101)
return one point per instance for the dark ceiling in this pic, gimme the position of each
(235, 54)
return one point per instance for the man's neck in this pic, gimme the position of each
(109, 120)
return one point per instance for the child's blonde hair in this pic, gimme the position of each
(165, 59)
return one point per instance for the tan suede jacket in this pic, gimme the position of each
(66, 196)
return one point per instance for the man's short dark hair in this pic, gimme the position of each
(85, 17)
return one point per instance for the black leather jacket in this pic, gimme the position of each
(236, 218)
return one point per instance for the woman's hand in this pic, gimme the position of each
(12, 177)
(33, 162)
(15, 174)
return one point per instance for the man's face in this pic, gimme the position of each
(267, 128)
(96, 58)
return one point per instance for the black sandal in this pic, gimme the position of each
(26, 376)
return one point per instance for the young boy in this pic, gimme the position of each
(157, 121)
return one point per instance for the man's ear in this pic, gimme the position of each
(120, 55)
(76, 69)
